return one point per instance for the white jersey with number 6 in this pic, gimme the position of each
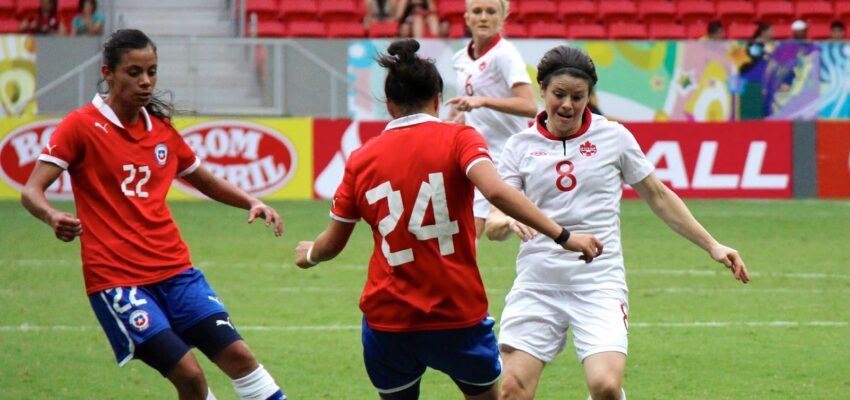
(578, 182)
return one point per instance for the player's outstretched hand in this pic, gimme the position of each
(732, 260)
(589, 246)
(466, 103)
(301, 254)
(524, 232)
(269, 214)
(65, 226)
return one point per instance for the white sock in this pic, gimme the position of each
(210, 395)
(257, 385)
(623, 397)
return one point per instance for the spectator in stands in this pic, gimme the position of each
(379, 10)
(415, 15)
(837, 31)
(714, 31)
(760, 45)
(88, 21)
(799, 30)
(45, 23)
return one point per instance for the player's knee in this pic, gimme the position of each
(606, 388)
(513, 388)
(236, 360)
(189, 380)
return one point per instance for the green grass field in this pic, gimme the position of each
(695, 332)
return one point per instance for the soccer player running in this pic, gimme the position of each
(497, 97)
(573, 164)
(122, 154)
(424, 303)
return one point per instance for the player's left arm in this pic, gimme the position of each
(673, 211)
(225, 192)
(326, 246)
(521, 103)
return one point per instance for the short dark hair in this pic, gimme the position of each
(836, 24)
(567, 60)
(411, 81)
(714, 27)
(93, 5)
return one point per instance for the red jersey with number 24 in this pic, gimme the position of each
(120, 177)
(410, 185)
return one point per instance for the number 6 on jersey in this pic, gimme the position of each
(434, 192)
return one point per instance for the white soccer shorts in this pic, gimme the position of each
(480, 205)
(536, 322)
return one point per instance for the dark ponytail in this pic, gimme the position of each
(123, 41)
(567, 60)
(411, 81)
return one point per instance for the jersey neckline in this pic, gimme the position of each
(540, 121)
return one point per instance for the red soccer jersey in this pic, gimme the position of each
(410, 185)
(120, 177)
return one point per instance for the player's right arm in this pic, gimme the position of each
(326, 246)
(513, 203)
(65, 226)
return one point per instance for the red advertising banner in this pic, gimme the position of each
(333, 141)
(751, 159)
(833, 146)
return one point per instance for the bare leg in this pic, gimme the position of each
(188, 378)
(520, 374)
(603, 373)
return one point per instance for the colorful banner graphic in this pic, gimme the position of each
(833, 147)
(21, 141)
(17, 73)
(719, 160)
(835, 80)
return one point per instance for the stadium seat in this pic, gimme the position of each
(583, 11)
(782, 31)
(515, 30)
(696, 29)
(27, 8)
(667, 30)
(9, 24)
(264, 9)
(657, 10)
(736, 10)
(776, 12)
(7, 7)
(740, 30)
(385, 29)
(542, 29)
(611, 11)
(586, 31)
(457, 30)
(811, 10)
(627, 30)
(696, 11)
(819, 30)
(298, 10)
(842, 9)
(451, 10)
(270, 28)
(340, 10)
(314, 29)
(346, 29)
(532, 11)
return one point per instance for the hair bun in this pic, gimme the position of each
(405, 49)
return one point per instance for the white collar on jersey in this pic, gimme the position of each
(107, 112)
(412, 119)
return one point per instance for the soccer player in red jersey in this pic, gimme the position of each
(424, 303)
(122, 154)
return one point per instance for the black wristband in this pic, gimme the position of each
(563, 237)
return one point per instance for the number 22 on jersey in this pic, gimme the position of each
(434, 192)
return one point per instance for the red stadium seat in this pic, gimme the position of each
(9, 24)
(842, 9)
(657, 10)
(586, 31)
(782, 31)
(515, 30)
(740, 30)
(457, 30)
(692, 11)
(314, 29)
(667, 30)
(542, 29)
(736, 10)
(27, 8)
(264, 9)
(7, 7)
(627, 30)
(776, 12)
(340, 10)
(819, 30)
(812, 10)
(451, 10)
(270, 28)
(386, 29)
(577, 11)
(617, 10)
(298, 10)
(531, 11)
(696, 29)
(346, 29)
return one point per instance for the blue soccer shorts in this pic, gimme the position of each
(396, 360)
(131, 315)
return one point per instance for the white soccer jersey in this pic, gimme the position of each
(493, 74)
(578, 182)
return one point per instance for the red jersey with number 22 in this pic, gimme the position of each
(410, 185)
(120, 176)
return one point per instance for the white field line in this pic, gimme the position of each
(342, 327)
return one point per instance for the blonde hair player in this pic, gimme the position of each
(574, 160)
(497, 99)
